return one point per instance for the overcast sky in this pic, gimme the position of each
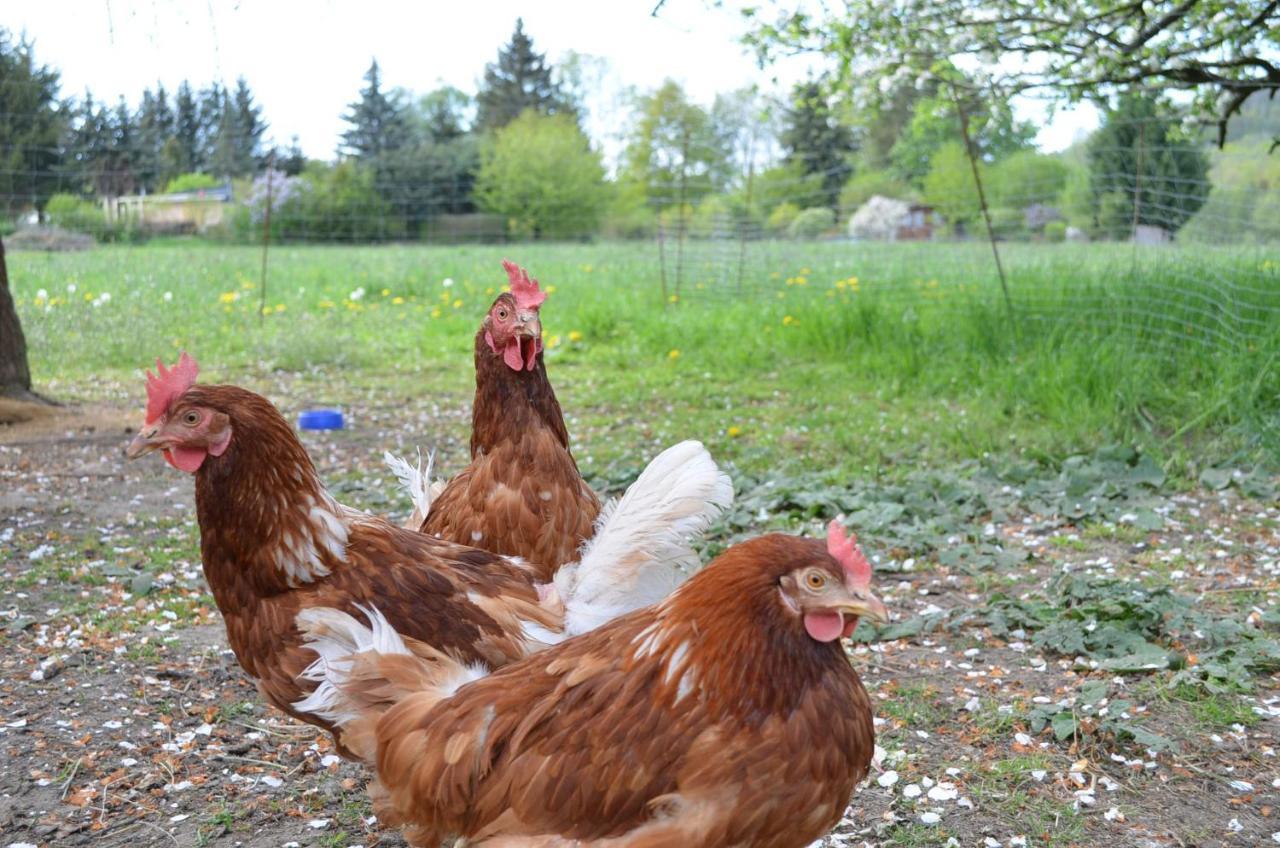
(305, 59)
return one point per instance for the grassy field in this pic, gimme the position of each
(1084, 646)
(846, 358)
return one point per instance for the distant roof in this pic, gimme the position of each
(222, 192)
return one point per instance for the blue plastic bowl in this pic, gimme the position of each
(320, 419)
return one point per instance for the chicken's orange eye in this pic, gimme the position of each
(191, 419)
(815, 580)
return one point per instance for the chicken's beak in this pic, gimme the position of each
(528, 325)
(147, 440)
(863, 604)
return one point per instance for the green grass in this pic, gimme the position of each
(916, 364)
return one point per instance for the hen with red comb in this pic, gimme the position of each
(168, 384)
(714, 718)
(522, 494)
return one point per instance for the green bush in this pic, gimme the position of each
(1055, 231)
(541, 174)
(324, 203)
(78, 215)
(812, 223)
(191, 182)
(75, 213)
(781, 217)
(1008, 223)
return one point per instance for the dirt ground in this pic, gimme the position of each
(124, 719)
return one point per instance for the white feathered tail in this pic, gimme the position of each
(362, 670)
(641, 548)
(417, 483)
(640, 552)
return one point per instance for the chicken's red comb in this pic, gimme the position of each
(169, 384)
(525, 290)
(844, 549)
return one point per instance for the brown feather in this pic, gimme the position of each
(711, 719)
(522, 495)
(256, 503)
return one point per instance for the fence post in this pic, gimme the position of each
(746, 217)
(662, 259)
(266, 238)
(982, 201)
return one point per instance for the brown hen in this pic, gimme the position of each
(274, 542)
(522, 495)
(726, 715)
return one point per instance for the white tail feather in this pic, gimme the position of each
(640, 551)
(340, 640)
(416, 481)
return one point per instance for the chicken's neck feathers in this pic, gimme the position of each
(267, 524)
(508, 402)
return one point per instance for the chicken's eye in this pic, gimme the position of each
(191, 419)
(502, 313)
(815, 580)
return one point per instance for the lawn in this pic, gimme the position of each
(857, 359)
(1072, 514)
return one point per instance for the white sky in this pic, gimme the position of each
(304, 60)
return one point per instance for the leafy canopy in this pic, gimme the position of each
(542, 175)
(1224, 50)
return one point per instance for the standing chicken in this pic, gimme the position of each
(274, 542)
(522, 494)
(727, 714)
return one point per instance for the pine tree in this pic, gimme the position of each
(31, 129)
(250, 127)
(213, 103)
(519, 80)
(90, 148)
(183, 155)
(1143, 170)
(122, 177)
(155, 129)
(293, 160)
(377, 122)
(816, 142)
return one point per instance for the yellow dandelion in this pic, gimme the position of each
(550, 289)
(325, 304)
(386, 292)
(673, 354)
(554, 341)
(225, 297)
(489, 290)
(575, 336)
(734, 431)
(788, 321)
(802, 281)
(397, 300)
(457, 304)
(435, 313)
(675, 298)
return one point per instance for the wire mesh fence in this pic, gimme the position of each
(1145, 231)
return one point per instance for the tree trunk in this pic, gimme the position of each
(15, 376)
